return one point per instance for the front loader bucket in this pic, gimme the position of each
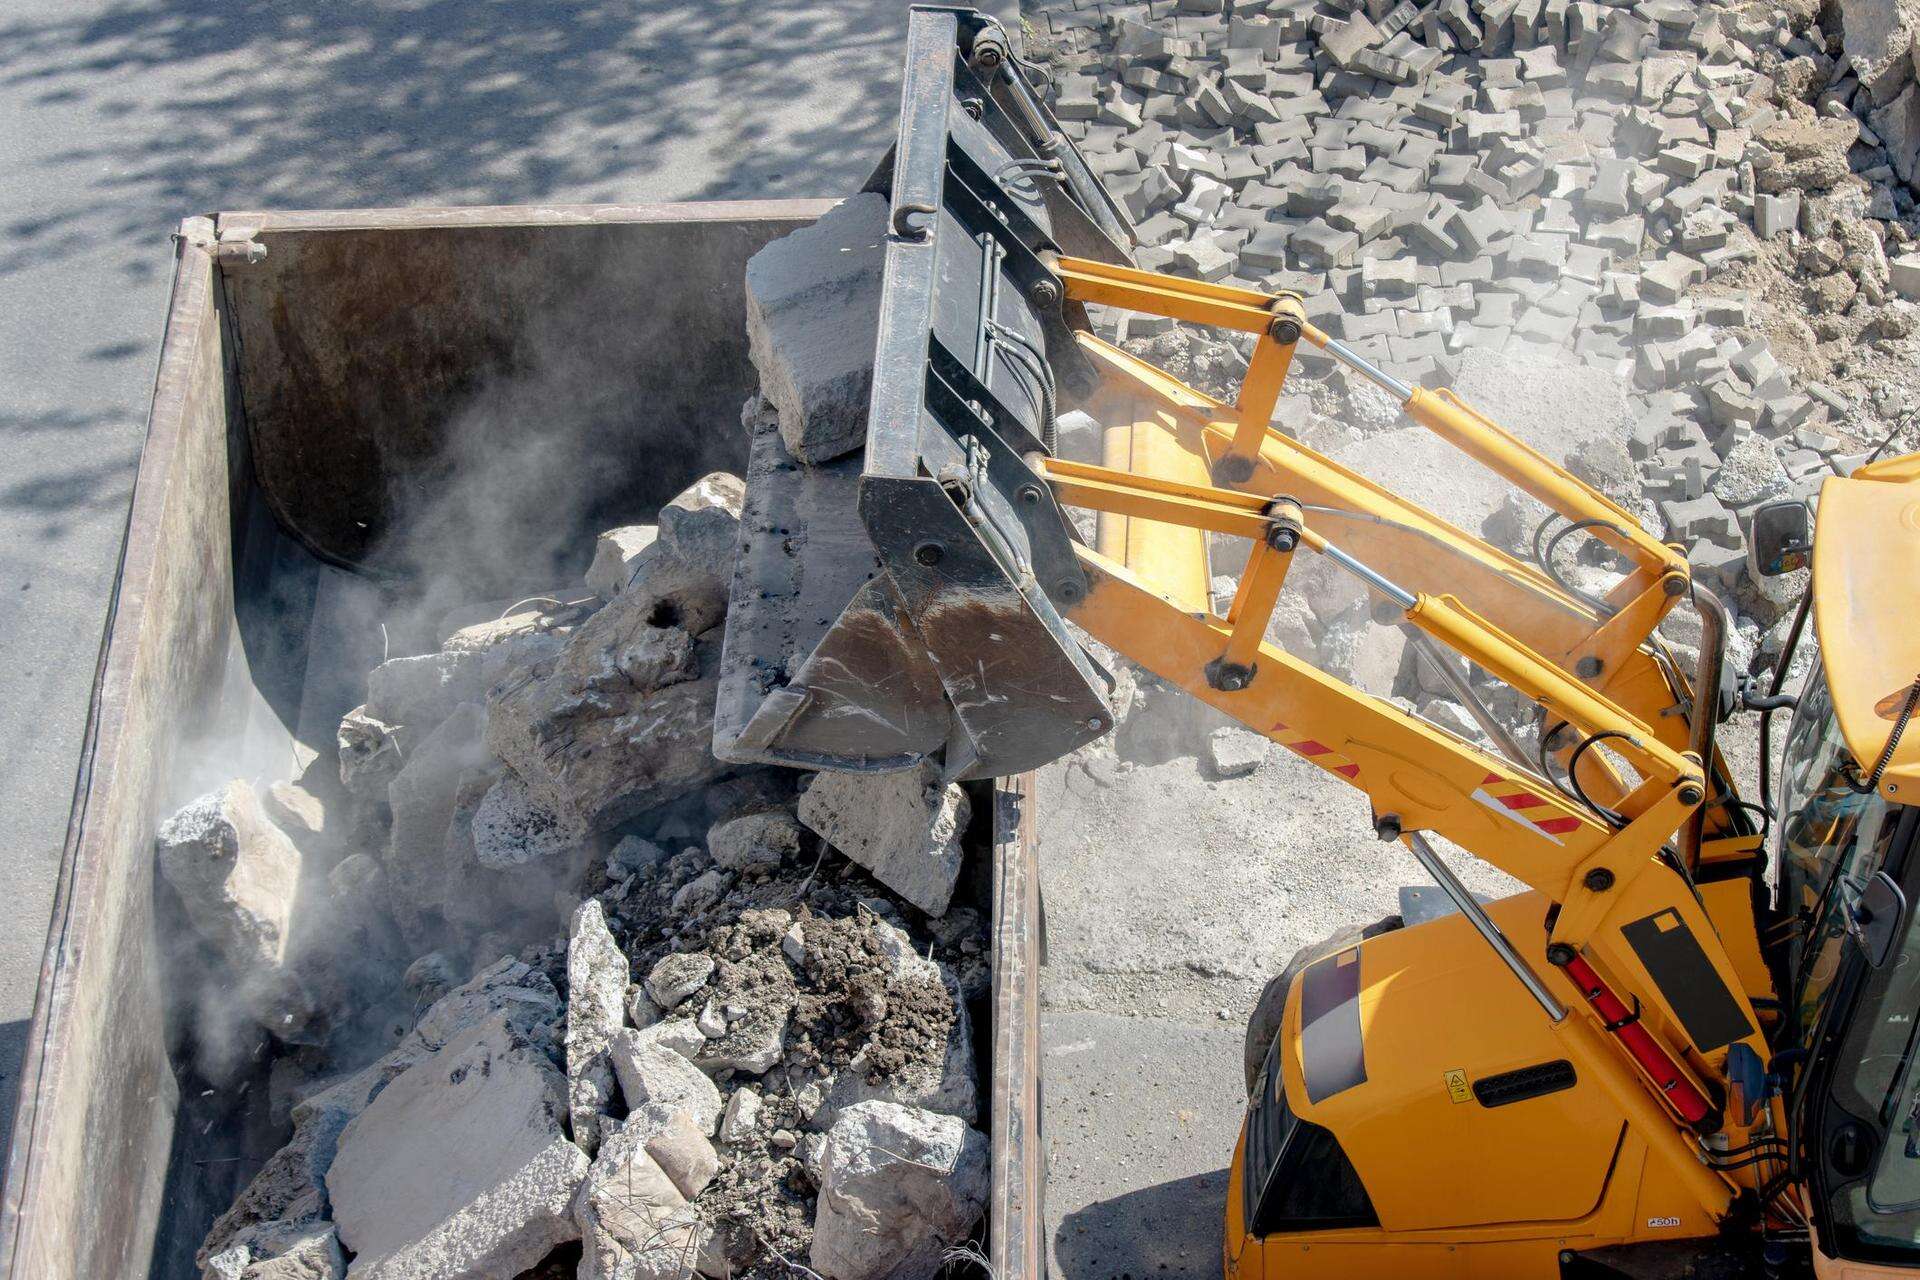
(898, 603)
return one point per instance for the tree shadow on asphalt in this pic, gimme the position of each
(1169, 1230)
(267, 104)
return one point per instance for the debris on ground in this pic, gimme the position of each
(1670, 245)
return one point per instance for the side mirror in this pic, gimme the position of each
(1780, 538)
(1874, 919)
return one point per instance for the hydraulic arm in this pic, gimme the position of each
(1608, 850)
(944, 636)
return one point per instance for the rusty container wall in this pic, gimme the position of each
(315, 373)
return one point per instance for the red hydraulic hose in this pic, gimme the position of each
(1624, 1025)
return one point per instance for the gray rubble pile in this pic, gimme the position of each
(709, 1013)
(1695, 202)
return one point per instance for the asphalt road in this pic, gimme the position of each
(1141, 1117)
(121, 119)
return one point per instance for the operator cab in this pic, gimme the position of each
(1847, 871)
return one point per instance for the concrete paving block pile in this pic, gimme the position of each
(1704, 202)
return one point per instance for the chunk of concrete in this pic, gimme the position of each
(649, 1073)
(281, 1251)
(748, 1045)
(904, 827)
(286, 1200)
(634, 1223)
(289, 1193)
(459, 1167)
(421, 872)
(702, 893)
(1750, 475)
(616, 555)
(1812, 154)
(754, 840)
(511, 828)
(621, 721)
(597, 980)
(1234, 752)
(813, 310)
(236, 874)
(684, 1154)
(238, 878)
(741, 1118)
(898, 1186)
(1878, 37)
(372, 753)
(675, 977)
(421, 691)
(702, 523)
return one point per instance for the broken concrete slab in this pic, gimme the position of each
(459, 1167)
(1878, 37)
(622, 720)
(239, 878)
(597, 980)
(281, 1251)
(813, 310)
(421, 691)
(904, 827)
(754, 840)
(236, 874)
(421, 871)
(701, 524)
(634, 1223)
(649, 1073)
(616, 554)
(511, 829)
(898, 1186)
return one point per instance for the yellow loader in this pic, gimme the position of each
(1658, 1060)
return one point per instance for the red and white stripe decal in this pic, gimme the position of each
(1312, 749)
(1515, 802)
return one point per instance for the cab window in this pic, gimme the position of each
(1295, 1175)
(1832, 841)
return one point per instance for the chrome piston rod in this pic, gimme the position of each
(1477, 916)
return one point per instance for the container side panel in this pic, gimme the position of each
(90, 1148)
(585, 367)
(1017, 1212)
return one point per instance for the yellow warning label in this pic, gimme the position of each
(1457, 1087)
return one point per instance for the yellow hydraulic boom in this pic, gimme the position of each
(1622, 857)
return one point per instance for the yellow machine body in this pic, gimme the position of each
(1462, 1188)
(1495, 1129)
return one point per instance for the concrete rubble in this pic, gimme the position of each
(904, 827)
(897, 1184)
(811, 313)
(592, 1000)
(461, 1165)
(1666, 244)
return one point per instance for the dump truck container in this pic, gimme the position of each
(317, 374)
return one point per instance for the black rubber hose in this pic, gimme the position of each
(1779, 679)
(1872, 783)
(1012, 340)
(1553, 544)
(1612, 817)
